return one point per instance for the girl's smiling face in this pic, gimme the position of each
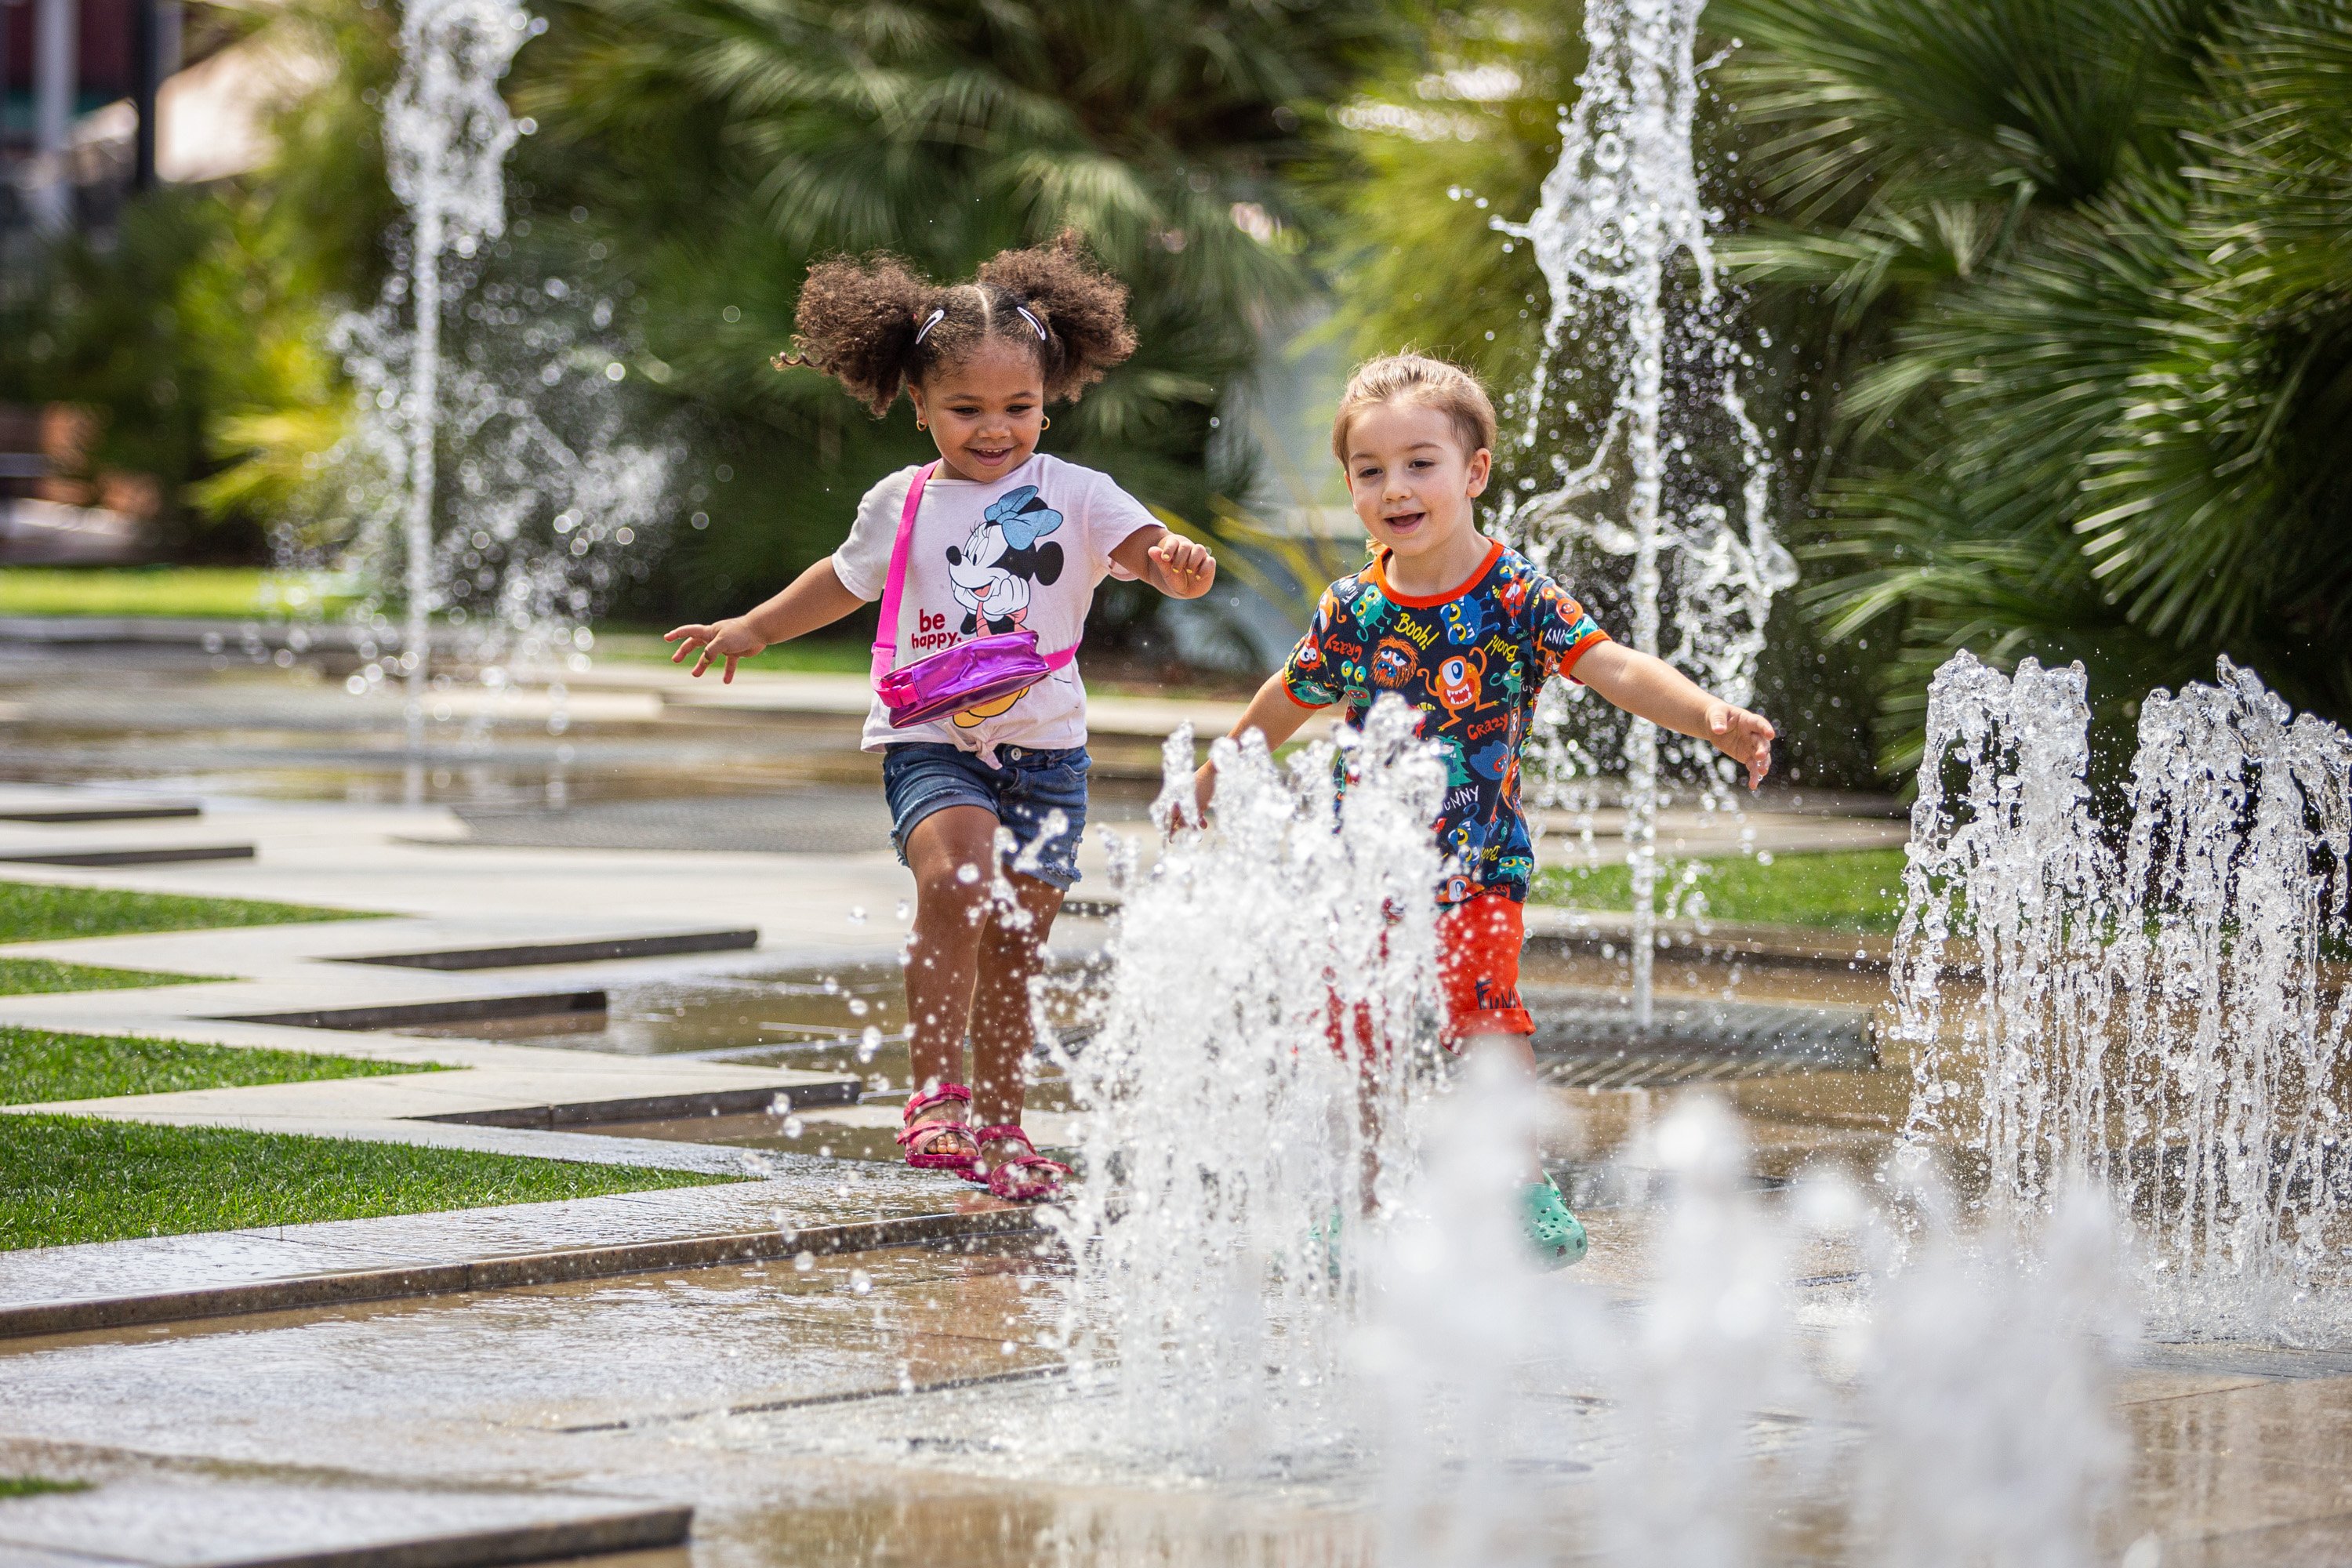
(985, 410)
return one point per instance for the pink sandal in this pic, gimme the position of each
(1014, 1180)
(921, 1138)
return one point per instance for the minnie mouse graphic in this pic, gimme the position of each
(992, 572)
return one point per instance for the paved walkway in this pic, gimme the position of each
(801, 1204)
(872, 1409)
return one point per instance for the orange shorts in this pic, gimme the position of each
(1478, 944)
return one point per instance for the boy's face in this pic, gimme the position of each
(1409, 477)
(985, 410)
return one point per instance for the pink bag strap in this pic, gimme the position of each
(885, 631)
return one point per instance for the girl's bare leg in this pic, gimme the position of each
(1002, 1030)
(943, 954)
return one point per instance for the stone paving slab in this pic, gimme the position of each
(820, 1206)
(19, 838)
(362, 857)
(557, 1092)
(152, 1516)
(539, 954)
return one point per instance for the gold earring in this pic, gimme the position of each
(1047, 423)
(919, 422)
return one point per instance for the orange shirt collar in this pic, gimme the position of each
(1379, 576)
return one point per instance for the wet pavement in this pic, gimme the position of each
(873, 1407)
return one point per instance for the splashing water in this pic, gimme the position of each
(2234, 883)
(513, 543)
(1454, 1318)
(1237, 1316)
(2014, 872)
(1622, 203)
(1985, 1377)
(1227, 1141)
(2162, 1019)
(1711, 1353)
(1950, 1406)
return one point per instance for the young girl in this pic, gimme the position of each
(1001, 537)
(1466, 629)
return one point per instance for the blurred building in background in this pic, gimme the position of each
(102, 98)
(99, 100)
(77, 131)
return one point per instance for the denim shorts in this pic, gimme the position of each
(921, 777)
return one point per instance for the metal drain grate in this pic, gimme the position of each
(1588, 1039)
(1655, 1070)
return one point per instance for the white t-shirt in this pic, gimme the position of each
(1023, 551)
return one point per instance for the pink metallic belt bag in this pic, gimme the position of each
(954, 678)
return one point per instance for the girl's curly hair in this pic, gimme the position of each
(875, 325)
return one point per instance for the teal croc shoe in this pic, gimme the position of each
(1556, 1235)
(1322, 1248)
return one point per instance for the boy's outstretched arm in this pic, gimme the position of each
(1272, 713)
(1654, 690)
(816, 598)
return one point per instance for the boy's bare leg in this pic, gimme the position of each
(944, 950)
(1002, 1030)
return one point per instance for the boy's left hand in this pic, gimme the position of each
(1746, 738)
(1186, 568)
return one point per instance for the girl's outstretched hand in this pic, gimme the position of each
(1186, 568)
(729, 640)
(1746, 738)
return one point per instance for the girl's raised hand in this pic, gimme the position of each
(1186, 568)
(1746, 738)
(729, 640)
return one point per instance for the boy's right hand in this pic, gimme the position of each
(729, 640)
(1204, 784)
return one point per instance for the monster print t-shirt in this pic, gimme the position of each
(1025, 551)
(1474, 662)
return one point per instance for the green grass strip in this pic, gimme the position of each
(31, 976)
(200, 593)
(1848, 890)
(35, 912)
(70, 1179)
(34, 1486)
(39, 1066)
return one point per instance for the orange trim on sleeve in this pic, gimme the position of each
(1567, 660)
(1292, 698)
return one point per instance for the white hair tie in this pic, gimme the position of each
(933, 319)
(1035, 325)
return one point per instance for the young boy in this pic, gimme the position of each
(1463, 627)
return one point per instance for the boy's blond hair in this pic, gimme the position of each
(1417, 378)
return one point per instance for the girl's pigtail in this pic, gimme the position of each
(856, 321)
(1082, 308)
